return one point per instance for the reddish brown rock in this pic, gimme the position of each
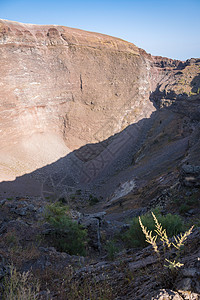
(64, 88)
(60, 87)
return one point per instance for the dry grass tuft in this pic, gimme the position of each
(19, 286)
(161, 233)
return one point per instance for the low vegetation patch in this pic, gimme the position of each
(134, 237)
(161, 234)
(66, 284)
(17, 286)
(111, 249)
(66, 235)
(89, 288)
(93, 200)
(184, 205)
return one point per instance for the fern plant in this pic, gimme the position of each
(161, 233)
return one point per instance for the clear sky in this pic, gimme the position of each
(167, 28)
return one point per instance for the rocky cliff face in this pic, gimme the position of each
(126, 113)
(62, 88)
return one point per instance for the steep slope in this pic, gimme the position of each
(82, 110)
(62, 88)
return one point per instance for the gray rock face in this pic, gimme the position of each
(93, 223)
(191, 175)
(190, 169)
(143, 263)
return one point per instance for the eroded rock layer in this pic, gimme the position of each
(62, 88)
(112, 112)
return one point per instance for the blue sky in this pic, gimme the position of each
(166, 28)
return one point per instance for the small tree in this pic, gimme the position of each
(66, 235)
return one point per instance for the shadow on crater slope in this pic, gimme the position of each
(142, 152)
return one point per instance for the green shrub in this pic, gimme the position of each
(160, 233)
(193, 200)
(184, 208)
(176, 201)
(93, 200)
(67, 235)
(173, 224)
(112, 249)
(78, 192)
(9, 199)
(184, 205)
(134, 237)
